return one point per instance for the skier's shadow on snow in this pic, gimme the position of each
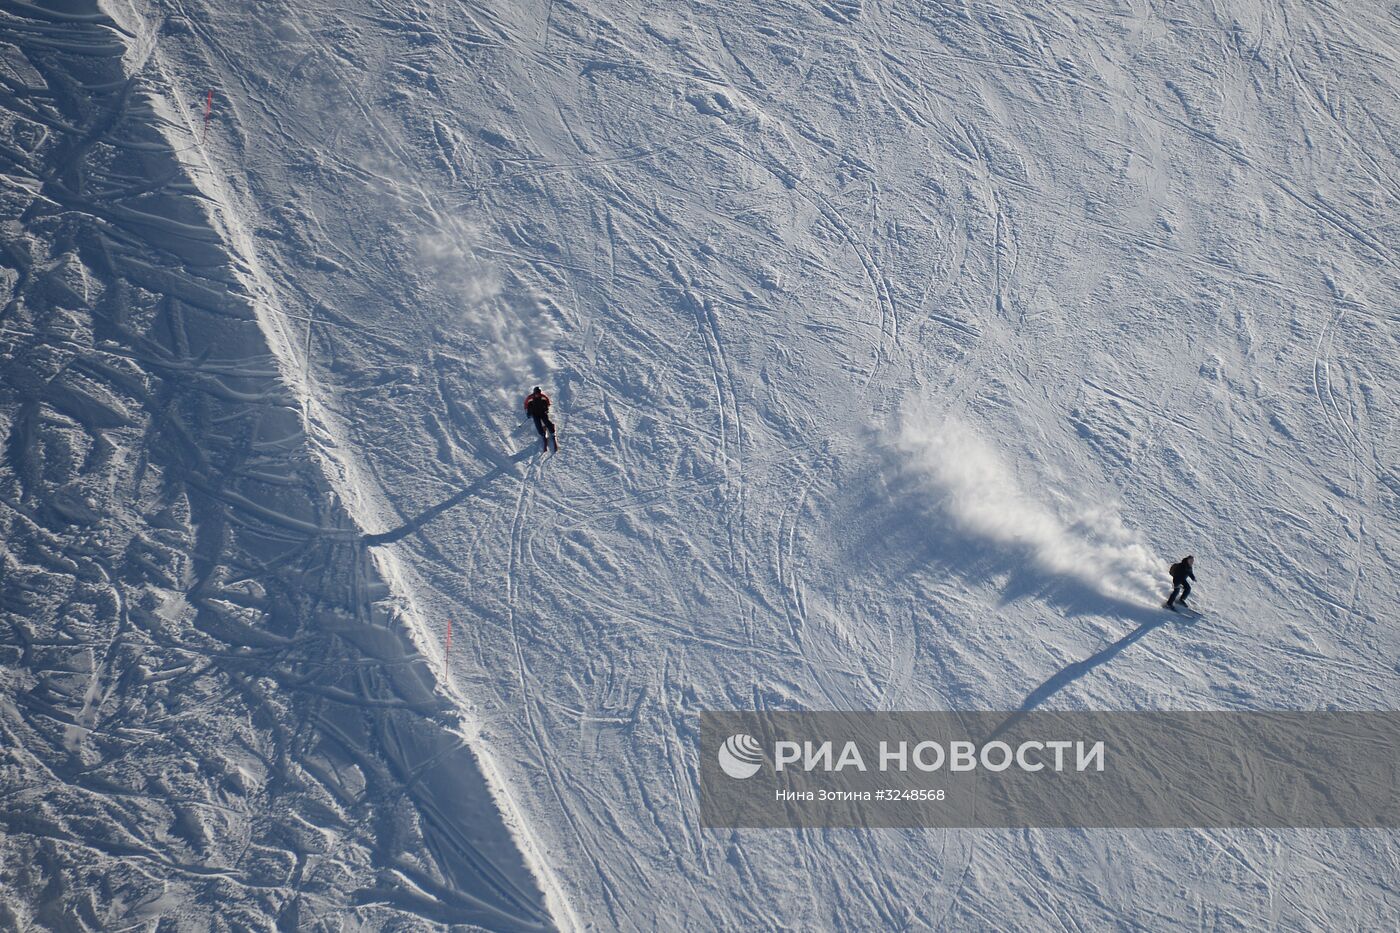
(908, 532)
(428, 514)
(1078, 669)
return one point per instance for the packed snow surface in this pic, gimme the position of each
(896, 349)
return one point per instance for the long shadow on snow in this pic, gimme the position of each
(1078, 669)
(428, 514)
(908, 532)
(291, 692)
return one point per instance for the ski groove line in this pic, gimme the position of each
(522, 506)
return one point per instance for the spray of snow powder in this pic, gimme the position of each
(979, 493)
(505, 327)
(511, 331)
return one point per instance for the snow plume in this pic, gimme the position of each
(511, 335)
(981, 496)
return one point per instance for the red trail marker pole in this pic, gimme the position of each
(208, 111)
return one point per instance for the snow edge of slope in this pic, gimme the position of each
(359, 495)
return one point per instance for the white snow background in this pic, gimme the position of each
(896, 349)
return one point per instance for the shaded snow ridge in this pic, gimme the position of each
(212, 704)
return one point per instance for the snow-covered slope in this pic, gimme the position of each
(896, 348)
(212, 714)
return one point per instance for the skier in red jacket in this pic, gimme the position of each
(537, 407)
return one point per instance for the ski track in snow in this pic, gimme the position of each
(763, 258)
(240, 718)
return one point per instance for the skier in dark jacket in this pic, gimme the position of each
(1181, 573)
(537, 407)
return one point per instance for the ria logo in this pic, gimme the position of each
(740, 756)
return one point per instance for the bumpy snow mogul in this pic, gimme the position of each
(740, 756)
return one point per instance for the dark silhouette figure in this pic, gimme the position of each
(1181, 573)
(537, 407)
